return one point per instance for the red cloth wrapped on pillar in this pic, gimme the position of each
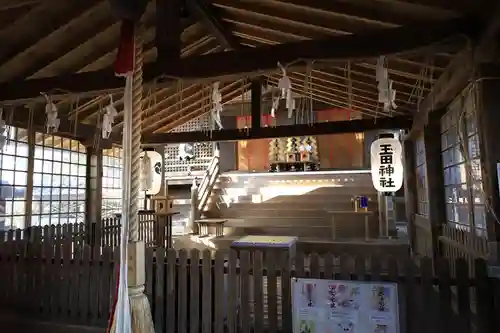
(125, 58)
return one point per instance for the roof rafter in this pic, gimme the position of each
(248, 61)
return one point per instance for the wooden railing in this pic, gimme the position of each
(207, 183)
(233, 292)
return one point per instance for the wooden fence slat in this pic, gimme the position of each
(232, 293)
(150, 278)
(314, 266)
(245, 291)
(444, 283)
(206, 290)
(328, 266)
(85, 286)
(430, 297)
(46, 278)
(94, 290)
(463, 295)
(171, 275)
(345, 267)
(160, 313)
(194, 291)
(182, 294)
(258, 297)
(360, 267)
(66, 272)
(286, 299)
(411, 298)
(220, 292)
(105, 287)
(485, 298)
(75, 284)
(299, 265)
(272, 263)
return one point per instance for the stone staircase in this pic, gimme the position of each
(274, 204)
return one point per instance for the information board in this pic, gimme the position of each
(335, 306)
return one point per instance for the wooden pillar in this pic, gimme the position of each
(93, 200)
(29, 182)
(410, 189)
(435, 178)
(488, 127)
(256, 100)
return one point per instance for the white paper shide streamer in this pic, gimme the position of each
(108, 119)
(51, 112)
(285, 87)
(146, 172)
(386, 95)
(216, 104)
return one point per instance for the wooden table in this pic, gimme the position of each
(204, 224)
(351, 213)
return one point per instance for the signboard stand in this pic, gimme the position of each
(336, 306)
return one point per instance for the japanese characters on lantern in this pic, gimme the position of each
(386, 164)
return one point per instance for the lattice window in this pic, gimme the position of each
(463, 183)
(13, 179)
(203, 152)
(58, 181)
(422, 194)
(112, 167)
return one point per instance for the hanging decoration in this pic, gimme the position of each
(216, 105)
(3, 131)
(387, 164)
(151, 165)
(386, 94)
(285, 86)
(108, 118)
(51, 112)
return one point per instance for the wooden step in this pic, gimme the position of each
(256, 221)
(318, 205)
(319, 232)
(283, 211)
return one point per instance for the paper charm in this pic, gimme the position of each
(51, 112)
(285, 85)
(216, 104)
(108, 119)
(146, 173)
(386, 94)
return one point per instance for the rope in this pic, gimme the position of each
(135, 182)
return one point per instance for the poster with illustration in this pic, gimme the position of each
(334, 306)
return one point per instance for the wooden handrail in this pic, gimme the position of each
(208, 182)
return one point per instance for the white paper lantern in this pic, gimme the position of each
(386, 164)
(156, 164)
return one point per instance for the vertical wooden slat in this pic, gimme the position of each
(232, 297)
(411, 297)
(245, 291)
(56, 271)
(286, 299)
(258, 297)
(66, 270)
(429, 296)
(345, 267)
(485, 298)
(219, 292)
(85, 287)
(375, 267)
(105, 285)
(182, 294)
(314, 266)
(150, 278)
(159, 303)
(46, 278)
(94, 290)
(206, 323)
(445, 310)
(194, 292)
(272, 263)
(328, 269)
(75, 285)
(299, 265)
(463, 298)
(360, 267)
(171, 275)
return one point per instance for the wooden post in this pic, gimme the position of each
(410, 189)
(488, 122)
(256, 100)
(93, 218)
(435, 179)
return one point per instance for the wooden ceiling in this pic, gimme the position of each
(48, 38)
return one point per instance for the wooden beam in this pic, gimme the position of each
(207, 14)
(68, 129)
(168, 29)
(458, 73)
(353, 126)
(223, 65)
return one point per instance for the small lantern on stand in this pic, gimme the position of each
(163, 228)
